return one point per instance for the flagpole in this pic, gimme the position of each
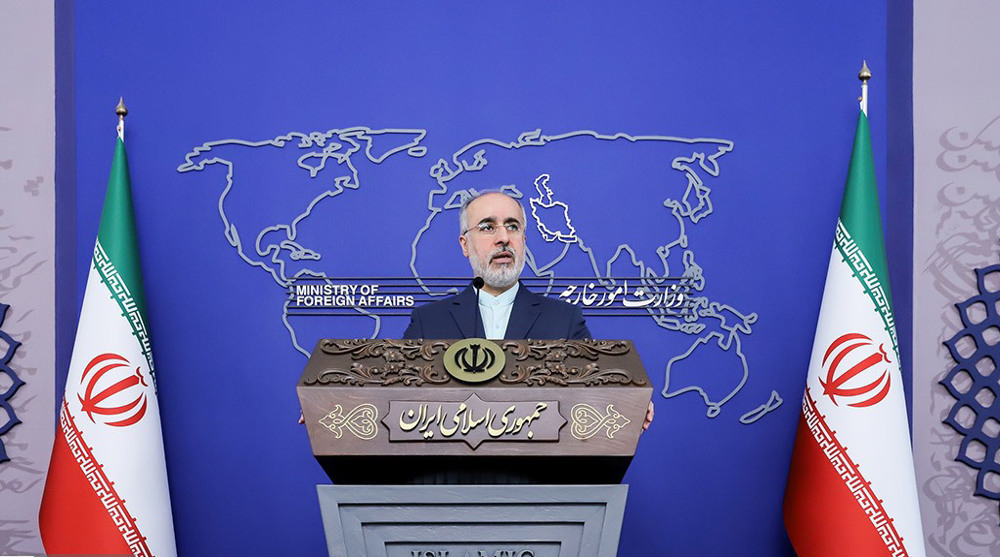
(106, 491)
(864, 75)
(851, 484)
(122, 112)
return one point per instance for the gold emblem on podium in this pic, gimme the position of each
(474, 360)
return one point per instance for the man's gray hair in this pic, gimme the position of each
(463, 212)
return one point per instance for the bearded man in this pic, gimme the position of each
(491, 235)
(491, 226)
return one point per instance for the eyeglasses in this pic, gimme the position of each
(513, 228)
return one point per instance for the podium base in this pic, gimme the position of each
(472, 520)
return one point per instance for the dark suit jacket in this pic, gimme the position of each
(533, 316)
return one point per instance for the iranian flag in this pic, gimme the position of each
(851, 487)
(106, 491)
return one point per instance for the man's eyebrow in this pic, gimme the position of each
(488, 219)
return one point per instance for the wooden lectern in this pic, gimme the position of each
(404, 426)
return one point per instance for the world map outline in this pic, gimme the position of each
(715, 325)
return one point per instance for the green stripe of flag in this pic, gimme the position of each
(860, 211)
(116, 253)
(117, 231)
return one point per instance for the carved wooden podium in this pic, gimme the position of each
(386, 418)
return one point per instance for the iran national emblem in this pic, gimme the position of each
(855, 371)
(113, 391)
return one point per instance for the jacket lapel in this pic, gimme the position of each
(465, 312)
(523, 314)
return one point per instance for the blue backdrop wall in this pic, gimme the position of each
(274, 140)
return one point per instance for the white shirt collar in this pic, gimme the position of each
(505, 298)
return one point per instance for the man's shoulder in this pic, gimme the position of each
(434, 319)
(440, 305)
(548, 303)
(556, 318)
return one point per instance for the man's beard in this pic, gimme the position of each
(497, 276)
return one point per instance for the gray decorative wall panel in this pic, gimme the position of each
(956, 113)
(27, 271)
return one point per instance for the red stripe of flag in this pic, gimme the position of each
(73, 518)
(822, 516)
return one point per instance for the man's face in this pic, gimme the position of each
(494, 240)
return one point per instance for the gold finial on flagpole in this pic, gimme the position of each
(864, 75)
(122, 112)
